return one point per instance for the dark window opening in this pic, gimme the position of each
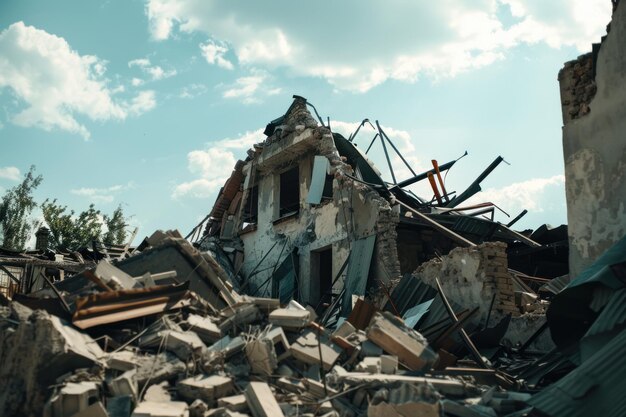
(322, 275)
(289, 192)
(251, 206)
(328, 187)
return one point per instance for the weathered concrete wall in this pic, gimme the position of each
(594, 149)
(355, 211)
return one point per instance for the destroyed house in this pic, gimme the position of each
(307, 216)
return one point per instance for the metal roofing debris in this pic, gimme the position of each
(318, 178)
(113, 306)
(570, 313)
(594, 388)
(358, 270)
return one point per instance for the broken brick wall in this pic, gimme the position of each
(472, 276)
(594, 148)
(578, 87)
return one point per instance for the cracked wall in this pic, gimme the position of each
(354, 212)
(594, 147)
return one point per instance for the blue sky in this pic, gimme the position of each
(149, 103)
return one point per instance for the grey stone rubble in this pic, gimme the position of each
(347, 295)
(253, 357)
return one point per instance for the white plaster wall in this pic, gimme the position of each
(594, 148)
(315, 227)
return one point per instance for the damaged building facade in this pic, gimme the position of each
(316, 288)
(308, 217)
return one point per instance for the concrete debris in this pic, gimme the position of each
(394, 337)
(316, 288)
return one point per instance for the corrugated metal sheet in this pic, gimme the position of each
(556, 285)
(358, 271)
(115, 306)
(573, 310)
(613, 314)
(611, 321)
(595, 388)
(409, 292)
(284, 279)
(318, 178)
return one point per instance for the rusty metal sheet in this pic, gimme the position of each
(115, 306)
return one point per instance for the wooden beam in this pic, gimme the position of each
(468, 342)
(56, 292)
(17, 281)
(440, 228)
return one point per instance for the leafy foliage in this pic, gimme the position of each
(70, 231)
(16, 206)
(116, 228)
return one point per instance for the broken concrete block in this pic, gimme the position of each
(121, 361)
(206, 388)
(205, 328)
(125, 384)
(388, 364)
(370, 365)
(394, 337)
(239, 315)
(267, 350)
(182, 344)
(158, 409)
(114, 277)
(157, 368)
(119, 406)
(233, 403)
(228, 346)
(292, 319)
(261, 400)
(158, 393)
(405, 400)
(306, 348)
(198, 408)
(73, 397)
(344, 330)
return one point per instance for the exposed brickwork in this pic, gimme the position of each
(578, 87)
(472, 276)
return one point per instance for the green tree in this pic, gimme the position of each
(16, 205)
(70, 231)
(116, 228)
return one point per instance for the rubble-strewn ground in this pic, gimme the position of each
(140, 347)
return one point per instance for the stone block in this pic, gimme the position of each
(394, 337)
(206, 388)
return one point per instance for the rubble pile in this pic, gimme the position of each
(146, 345)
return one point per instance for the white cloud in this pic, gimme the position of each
(155, 72)
(143, 102)
(55, 82)
(251, 88)
(10, 173)
(214, 164)
(214, 53)
(192, 90)
(101, 195)
(513, 198)
(402, 41)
